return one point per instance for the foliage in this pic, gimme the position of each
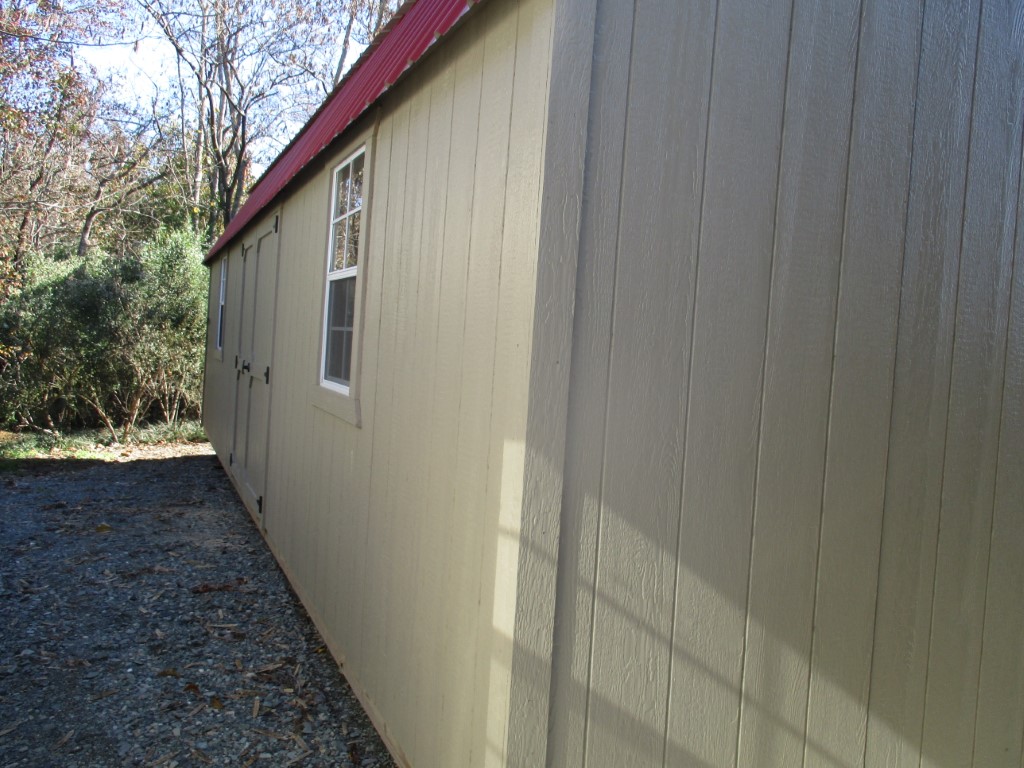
(83, 444)
(108, 338)
(93, 443)
(103, 203)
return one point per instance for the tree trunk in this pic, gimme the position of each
(90, 219)
(383, 10)
(340, 69)
(102, 413)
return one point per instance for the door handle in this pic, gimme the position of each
(245, 366)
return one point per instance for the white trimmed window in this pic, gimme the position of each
(342, 270)
(221, 300)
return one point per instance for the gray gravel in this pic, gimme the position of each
(143, 622)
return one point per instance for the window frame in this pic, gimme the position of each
(221, 305)
(328, 386)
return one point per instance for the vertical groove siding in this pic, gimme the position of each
(219, 373)
(792, 524)
(390, 531)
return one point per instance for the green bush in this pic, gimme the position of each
(106, 340)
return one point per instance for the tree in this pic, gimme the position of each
(123, 155)
(90, 186)
(75, 163)
(250, 72)
(364, 21)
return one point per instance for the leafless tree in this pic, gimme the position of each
(77, 168)
(68, 154)
(364, 20)
(249, 73)
(127, 155)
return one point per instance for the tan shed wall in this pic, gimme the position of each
(237, 393)
(793, 522)
(397, 533)
(218, 382)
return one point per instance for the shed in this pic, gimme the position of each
(635, 383)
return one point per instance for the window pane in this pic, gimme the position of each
(356, 201)
(349, 289)
(338, 246)
(346, 356)
(341, 192)
(221, 301)
(352, 257)
(333, 372)
(345, 242)
(341, 313)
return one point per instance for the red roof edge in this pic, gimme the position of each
(416, 27)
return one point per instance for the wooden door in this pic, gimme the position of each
(253, 367)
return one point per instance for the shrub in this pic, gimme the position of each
(108, 340)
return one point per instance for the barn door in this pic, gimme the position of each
(253, 368)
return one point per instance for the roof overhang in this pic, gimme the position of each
(415, 29)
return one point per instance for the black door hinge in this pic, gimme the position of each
(275, 223)
(231, 458)
(266, 374)
(259, 504)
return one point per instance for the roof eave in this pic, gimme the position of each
(416, 28)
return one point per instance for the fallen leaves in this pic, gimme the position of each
(27, 589)
(273, 734)
(299, 758)
(64, 739)
(147, 571)
(202, 589)
(10, 728)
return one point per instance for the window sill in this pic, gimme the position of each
(344, 407)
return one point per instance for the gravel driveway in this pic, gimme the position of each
(143, 622)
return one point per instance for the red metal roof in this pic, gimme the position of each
(415, 28)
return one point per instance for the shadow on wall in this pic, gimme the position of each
(629, 694)
(790, 528)
(599, 716)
